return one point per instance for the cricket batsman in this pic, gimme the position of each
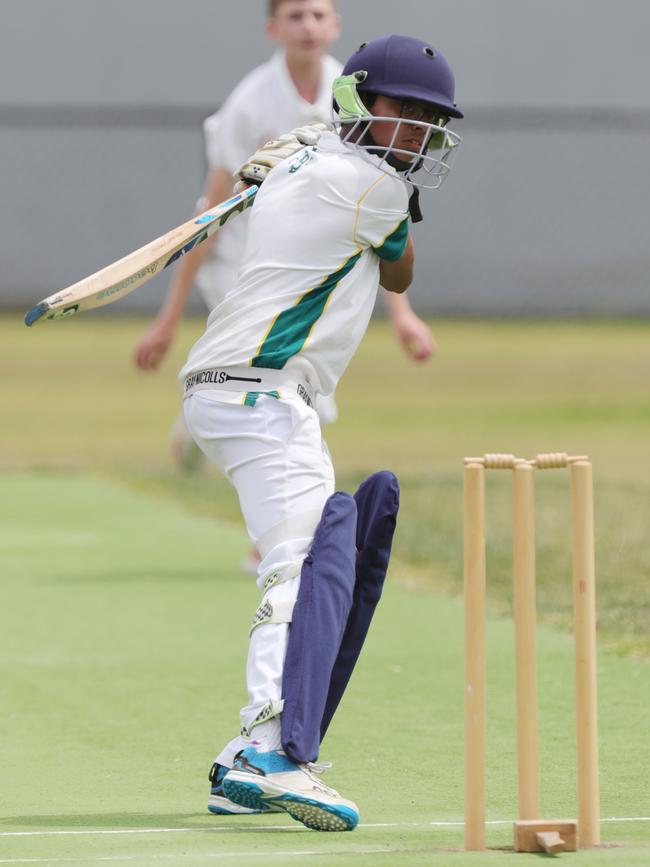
(329, 224)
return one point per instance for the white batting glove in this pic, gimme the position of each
(257, 167)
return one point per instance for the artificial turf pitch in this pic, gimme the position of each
(123, 627)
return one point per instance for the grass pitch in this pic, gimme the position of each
(124, 612)
(123, 630)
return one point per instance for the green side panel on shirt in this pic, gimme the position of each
(251, 396)
(393, 247)
(292, 327)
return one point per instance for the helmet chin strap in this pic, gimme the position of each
(414, 206)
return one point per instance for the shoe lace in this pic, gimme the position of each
(318, 767)
(314, 771)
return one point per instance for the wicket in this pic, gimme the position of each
(531, 832)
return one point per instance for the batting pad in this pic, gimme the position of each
(377, 502)
(320, 617)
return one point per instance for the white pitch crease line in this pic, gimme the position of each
(251, 828)
(269, 855)
(214, 855)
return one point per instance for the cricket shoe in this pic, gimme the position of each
(258, 780)
(219, 804)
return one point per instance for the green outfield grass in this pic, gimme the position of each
(74, 400)
(124, 613)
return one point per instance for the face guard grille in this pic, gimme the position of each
(434, 157)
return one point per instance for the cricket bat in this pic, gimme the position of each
(122, 277)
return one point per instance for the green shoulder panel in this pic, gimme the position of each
(395, 244)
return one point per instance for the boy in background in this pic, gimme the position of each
(292, 89)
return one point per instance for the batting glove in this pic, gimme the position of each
(257, 167)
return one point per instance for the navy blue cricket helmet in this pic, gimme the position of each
(405, 68)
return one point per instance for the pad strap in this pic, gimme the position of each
(279, 576)
(273, 612)
(270, 710)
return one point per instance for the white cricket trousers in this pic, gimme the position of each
(274, 455)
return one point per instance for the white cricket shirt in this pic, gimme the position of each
(318, 228)
(264, 105)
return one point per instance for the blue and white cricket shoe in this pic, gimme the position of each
(261, 781)
(219, 804)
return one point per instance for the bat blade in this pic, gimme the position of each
(122, 277)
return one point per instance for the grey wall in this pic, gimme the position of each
(100, 144)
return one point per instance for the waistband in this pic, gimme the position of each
(257, 380)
